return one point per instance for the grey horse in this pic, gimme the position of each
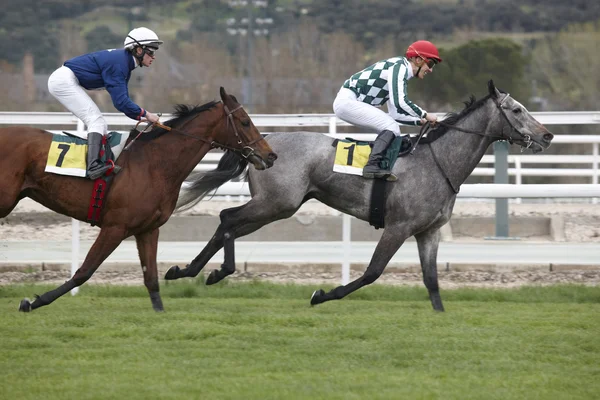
(418, 204)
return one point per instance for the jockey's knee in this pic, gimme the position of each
(393, 128)
(98, 125)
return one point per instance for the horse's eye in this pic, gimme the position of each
(516, 110)
(246, 122)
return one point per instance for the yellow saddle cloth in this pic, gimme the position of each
(67, 154)
(351, 157)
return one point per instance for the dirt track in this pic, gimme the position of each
(582, 224)
(449, 280)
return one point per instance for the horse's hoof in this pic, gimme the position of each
(316, 297)
(159, 309)
(172, 273)
(213, 277)
(25, 305)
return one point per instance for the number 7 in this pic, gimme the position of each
(61, 157)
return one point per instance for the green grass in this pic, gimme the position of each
(263, 341)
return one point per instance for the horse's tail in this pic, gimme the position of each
(199, 184)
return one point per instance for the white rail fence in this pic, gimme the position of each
(516, 162)
(498, 191)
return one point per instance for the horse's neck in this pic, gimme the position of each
(179, 154)
(460, 152)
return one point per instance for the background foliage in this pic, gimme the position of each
(543, 52)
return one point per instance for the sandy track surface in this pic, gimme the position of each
(581, 221)
(448, 280)
(31, 221)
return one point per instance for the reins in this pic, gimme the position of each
(246, 151)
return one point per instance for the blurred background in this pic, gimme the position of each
(291, 56)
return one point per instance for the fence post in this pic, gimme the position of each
(518, 178)
(346, 248)
(332, 125)
(595, 169)
(75, 227)
(501, 176)
(74, 251)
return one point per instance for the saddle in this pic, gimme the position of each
(67, 156)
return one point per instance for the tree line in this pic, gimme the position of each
(300, 66)
(35, 25)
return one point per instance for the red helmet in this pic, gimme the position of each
(423, 49)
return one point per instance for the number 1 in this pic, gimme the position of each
(350, 154)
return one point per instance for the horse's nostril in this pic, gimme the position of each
(548, 137)
(272, 156)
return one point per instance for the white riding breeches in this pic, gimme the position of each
(65, 87)
(347, 107)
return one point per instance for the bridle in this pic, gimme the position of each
(245, 150)
(526, 138)
(427, 127)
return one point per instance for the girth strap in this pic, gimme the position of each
(377, 209)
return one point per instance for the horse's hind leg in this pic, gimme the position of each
(235, 222)
(228, 266)
(212, 247)
(388, 245)
(106, 242)
(242, 222)
(428, 244)
(147, 244)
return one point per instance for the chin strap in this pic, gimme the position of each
(139, 59)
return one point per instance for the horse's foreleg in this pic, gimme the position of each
(10, 195)
(386, 248)
(147, 244)
(106, 242)
(428, 244)
(4, 211)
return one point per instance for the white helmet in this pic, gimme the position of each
(142, 37)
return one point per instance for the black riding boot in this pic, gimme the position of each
(373, 169)
(96, 168)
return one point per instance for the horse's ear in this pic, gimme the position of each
(492, 89)
(223, 94)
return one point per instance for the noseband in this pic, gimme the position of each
(245, 150)
(526, 138)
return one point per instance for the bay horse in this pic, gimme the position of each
(143, 195)
(418, 204)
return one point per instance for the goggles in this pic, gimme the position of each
(431, 62)
(150, 50)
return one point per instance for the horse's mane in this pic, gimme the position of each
(182, 113)
(452, 118)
